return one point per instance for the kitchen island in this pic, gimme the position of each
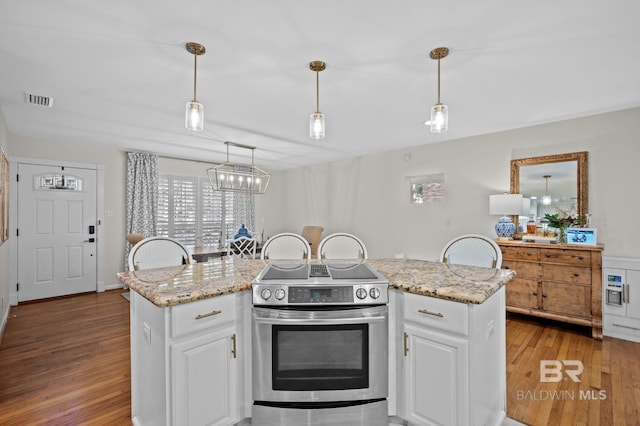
(190, 342)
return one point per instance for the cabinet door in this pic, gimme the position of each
(204, 379)
(435, 376)
(566, 298)
(522, 293)
(633, 294)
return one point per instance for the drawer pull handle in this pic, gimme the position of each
(575, 274)
(435, 314)
(529, 253)
(535, 293)
(406, 347)
(210, 314)
(548, 254)
(234, 350)
(544, 295)
(581, 257)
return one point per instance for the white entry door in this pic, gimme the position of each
(56, 231)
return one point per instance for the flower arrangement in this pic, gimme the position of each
(562, 221)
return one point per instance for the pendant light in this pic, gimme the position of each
(546, 200)
(316, 121)
(194, 114)
(439, 113)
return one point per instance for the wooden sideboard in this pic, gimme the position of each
(556, 281)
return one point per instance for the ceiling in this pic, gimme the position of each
(119, 73)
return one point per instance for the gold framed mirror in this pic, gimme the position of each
(553, 183)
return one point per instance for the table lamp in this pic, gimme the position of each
(505, 205)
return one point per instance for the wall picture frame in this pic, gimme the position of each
(582, 236)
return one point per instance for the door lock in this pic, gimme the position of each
(90, 240)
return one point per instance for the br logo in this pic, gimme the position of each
(552, 370)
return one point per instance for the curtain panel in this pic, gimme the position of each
(142, 196)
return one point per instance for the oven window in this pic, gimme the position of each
(320, 357)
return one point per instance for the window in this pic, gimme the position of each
(190, 211)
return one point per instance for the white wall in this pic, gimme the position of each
(369, 196)
(4, 248)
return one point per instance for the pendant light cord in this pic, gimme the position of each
(438, 81)
(195, 74)
(317, 92)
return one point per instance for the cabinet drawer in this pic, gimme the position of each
(573, 257)
(437, 313)
(202, 314)
(519, 253)
(522, 269)
(566, 273)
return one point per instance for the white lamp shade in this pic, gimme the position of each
(194, 116)
(505, 204)
(316, 125)
(439, 118)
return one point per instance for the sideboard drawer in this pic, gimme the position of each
(522, 269)
(202, 314)
(437, 313)
(565, 273)
(574, 257)
(519, 253)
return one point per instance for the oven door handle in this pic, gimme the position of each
(319, 321)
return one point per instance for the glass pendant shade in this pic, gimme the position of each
(439, 118)
(546, 200)
(316, 125)
(194, 116)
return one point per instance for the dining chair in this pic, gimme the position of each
(157, 252)
(474, 250)
(286, 246)
(242, 247)
(313, 235)
(342, 245)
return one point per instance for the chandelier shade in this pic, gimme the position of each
(237, 177)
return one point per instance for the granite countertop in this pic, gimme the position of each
(187, 283)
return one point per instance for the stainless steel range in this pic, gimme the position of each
(319, 345)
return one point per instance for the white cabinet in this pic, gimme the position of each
(187, 361)
(621, 297)
(451, 358)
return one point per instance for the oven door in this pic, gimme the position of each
(334, 354)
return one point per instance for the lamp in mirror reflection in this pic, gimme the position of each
(238, 177)
(546, 199)
(439, 122)
(316, 121)
(194, 114)
(506, 205)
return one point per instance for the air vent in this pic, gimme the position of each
(44, 101)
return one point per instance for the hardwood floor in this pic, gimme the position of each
(66, 362)
(609, 389)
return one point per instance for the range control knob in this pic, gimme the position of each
(374, 293)
(279, 294)
(265, 293)
(361, 293)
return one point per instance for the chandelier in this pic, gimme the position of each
(238, 177)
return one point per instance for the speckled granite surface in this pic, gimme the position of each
(467, 284)
(187, 283)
